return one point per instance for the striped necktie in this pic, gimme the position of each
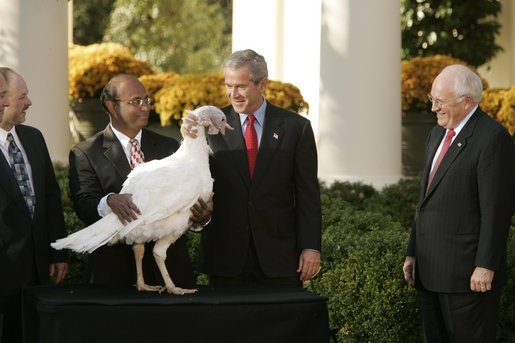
(19, 170)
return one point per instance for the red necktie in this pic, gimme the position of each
(445, 147)
(251, 143)
(137, 156)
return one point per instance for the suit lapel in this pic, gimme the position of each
(271, 137)
(113, 151)
(34, 154)
(9, 183)
(433, 144)
(236, 145)
(457, 146)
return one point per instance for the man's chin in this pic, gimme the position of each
(239, 107)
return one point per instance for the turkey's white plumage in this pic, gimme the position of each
(164, 191)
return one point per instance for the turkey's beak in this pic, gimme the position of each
(226, 126)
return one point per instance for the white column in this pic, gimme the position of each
(289, 39)
(34, 43)
(360, 103)
(500, 71)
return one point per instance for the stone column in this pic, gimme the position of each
(500, 71)
(344, 56)
(34, 43)
(360, 104)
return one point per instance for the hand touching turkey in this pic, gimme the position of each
(163, 191)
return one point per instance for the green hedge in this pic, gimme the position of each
(364, 238)
(363, 246)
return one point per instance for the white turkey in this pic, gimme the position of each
(164, 190)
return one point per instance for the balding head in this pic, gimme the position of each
(113, 88)
(18, 97)
(463, 81)
(4, 101)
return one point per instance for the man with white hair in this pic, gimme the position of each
(456, 255)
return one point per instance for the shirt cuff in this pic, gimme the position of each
(103, 208)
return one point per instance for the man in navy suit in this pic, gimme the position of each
(27, 227)
(456, 256)
(266, 222)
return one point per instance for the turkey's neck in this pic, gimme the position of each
(199, 144)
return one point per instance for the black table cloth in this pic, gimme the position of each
(87, 313)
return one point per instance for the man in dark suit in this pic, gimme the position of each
(266, 222)
(456, 255)
(32, 214)
(98, 168)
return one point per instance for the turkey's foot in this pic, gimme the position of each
(179, 291)
(145, 287)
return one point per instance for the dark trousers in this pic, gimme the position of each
(459, 317)
(253, 276)
(10, 319)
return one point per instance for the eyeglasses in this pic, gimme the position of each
(441, 103)
(137, 101)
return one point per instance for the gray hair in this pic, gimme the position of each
(250, 58)
(466, 82)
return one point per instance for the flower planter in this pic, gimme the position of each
(86, 118)
(415, 128)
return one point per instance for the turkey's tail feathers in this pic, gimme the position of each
(92, 237)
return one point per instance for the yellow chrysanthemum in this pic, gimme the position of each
(91, 67)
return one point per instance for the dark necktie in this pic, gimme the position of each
(136, 156)
(445, 147)
(251, 142)
(20, 173)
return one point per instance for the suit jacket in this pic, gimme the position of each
(463, 219)
(99, 166)
(25, 252)
(280, 206)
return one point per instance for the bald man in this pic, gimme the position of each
(33, 215)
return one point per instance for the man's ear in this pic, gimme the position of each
(111, 106)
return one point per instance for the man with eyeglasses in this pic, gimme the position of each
(456, 255)
(98, 168)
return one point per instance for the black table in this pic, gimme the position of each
(87, 313)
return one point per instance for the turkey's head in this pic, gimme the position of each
(211, 118)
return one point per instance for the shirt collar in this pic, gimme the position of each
(3, 135)
(464, 121)
(124, 140)
(259, 114)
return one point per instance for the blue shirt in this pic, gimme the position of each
(259, 123)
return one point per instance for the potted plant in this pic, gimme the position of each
(499, 103)
(89, 69)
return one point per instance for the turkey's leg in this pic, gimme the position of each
(160, 256)
(139, 251)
